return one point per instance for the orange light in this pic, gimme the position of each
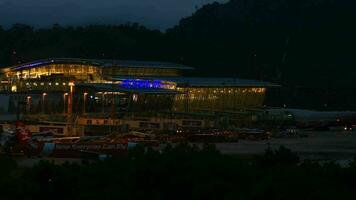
(44, 94)
(66, 94)
(71, 83)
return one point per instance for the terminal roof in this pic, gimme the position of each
(207, 81)
(108, 87)
(219, 82)
(101, 63)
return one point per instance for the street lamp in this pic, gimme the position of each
(64, 102)
(84, 103)
(102, 102)
(43, 102)
(70, 99)
(29, 102)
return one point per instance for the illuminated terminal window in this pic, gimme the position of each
(211, 99)
(79, 70)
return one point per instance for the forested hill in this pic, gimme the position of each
(297, 42)
(130, 41)
(292, 42)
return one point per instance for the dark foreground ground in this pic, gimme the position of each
(338, 146)
(188, 171)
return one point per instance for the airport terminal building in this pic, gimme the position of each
(84, 86)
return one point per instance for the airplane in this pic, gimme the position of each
(319, 119)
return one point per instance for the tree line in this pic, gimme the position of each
(180, 172)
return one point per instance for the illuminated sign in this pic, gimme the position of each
(136, 83)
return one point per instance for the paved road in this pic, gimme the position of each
(319, 145)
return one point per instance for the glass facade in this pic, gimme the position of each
(79, 71)
(218, 99)
(54, 79)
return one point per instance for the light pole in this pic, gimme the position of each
(64, 102)
(84, 101)
(102, 102)
(70, 99)
(43, 102)
(29, 102)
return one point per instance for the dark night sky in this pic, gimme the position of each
(160, 14)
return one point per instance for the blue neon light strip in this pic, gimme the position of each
(132, 83)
